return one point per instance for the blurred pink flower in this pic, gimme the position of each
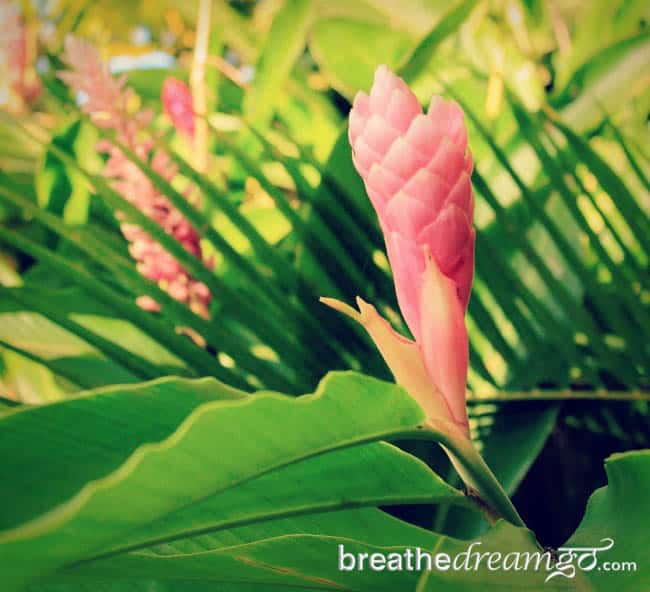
(416, 168)
(19, 83)
(177, 102)
(109, 103)
(105, 99)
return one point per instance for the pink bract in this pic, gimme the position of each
(177, 102)
(416, 168)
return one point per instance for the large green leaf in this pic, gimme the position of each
(111, 423)
(612, 513)
(376, 474)
(619, 512)
(304, 552)
(223, 507)
(348, 409)
(276, 555)
(311, 561)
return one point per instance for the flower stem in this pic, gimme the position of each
(197, 83)
(476, 474)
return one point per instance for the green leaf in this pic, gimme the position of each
(32, 375)
(304, 551)
(618, 512)
(353, 69)
(283, 46)
(340, 177)
(267, 510)
(281, 554)
(612, 513)
(613, 184)
(422, 54)
(26, 377)
(101, 251)
(124, 306)
(377, 474)
(602, 24)
(110, 422)
(613, 311)
(25, 328)
(598, 85)
(573, 312)
(61, 189)
(270, 223)
(347, 409)
(414, 16)
(634, 164)
(128, 360)
(314, 236)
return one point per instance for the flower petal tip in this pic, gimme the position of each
(341, 307)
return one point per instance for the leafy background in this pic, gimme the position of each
(556, 98)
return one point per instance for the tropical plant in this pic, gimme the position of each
(166, 237)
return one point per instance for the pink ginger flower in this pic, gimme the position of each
(109, 104)
(416, 168)
(177, 103)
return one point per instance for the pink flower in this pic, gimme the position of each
(107, 101)
(416, 168)
(177, 102)
(19, 83)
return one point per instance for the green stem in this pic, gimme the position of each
(474, 471)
